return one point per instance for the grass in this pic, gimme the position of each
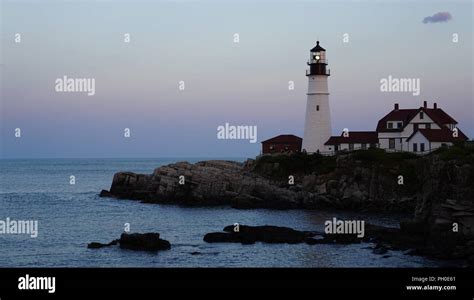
(380, 155)
(280, 166)
(298, 163)
(458, 151)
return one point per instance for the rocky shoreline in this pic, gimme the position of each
(436, 189)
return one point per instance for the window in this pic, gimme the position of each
(428, 126)
(317, 107)
(389, 125)
(415, 147)
(415, 126)
(363, 146)
(391, 143)
(421, 115)
(422, 147)
(351, 146)
(373, 145)
(399, 125)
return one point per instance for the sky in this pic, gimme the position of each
(245, 83)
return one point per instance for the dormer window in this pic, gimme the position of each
(389, 125)
(399, 124)
(421, 115)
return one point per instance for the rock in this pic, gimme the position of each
(222, 237)
(265, 234)
(363, 180)
(136, 241)
(415, 227)
(95, 245)
(206, 183)
(143, 242)
(470, 261)
(105, 193)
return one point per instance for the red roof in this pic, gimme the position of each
(284, 139)
(405, 115)
(355, 137)
(440, 135)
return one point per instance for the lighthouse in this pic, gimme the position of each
(317, 128)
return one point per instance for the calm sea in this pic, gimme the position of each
(71, 216)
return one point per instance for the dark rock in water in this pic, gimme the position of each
(143, 241)
(105, 193)
(95, 245)
(136, 241)
(223, 237)
(265, 234)
(312, 241)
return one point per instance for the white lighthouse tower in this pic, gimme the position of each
(317, 127)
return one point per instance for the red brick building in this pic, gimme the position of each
(285, 143)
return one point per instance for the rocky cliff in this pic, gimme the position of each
(437, 189)
(359, 180)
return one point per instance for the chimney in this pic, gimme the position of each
(435, 106)
(396, 106)
(425, 104)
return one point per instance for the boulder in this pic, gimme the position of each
(105, 193)
(143, 242)
(136, 241)
(265, 234)
(95, 245)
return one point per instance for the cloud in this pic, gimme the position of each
(438, 17)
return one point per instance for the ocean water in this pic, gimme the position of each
(71, 216)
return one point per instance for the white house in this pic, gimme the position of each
(419, 130)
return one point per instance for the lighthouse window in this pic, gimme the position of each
(317, 107)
